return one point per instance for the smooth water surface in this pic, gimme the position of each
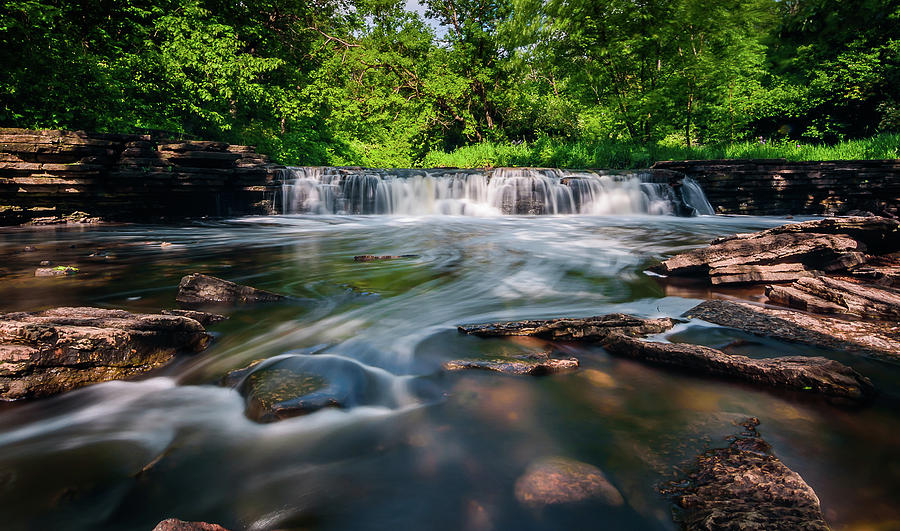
(435, 451)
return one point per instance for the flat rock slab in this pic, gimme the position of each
(52, 351)
(374, 258)
(534, 365)
(877, 339)
(823, 294)
(204, 318)
(198, 288)
(560, 480)
(810, 374)
(743, 487)
(574, 329)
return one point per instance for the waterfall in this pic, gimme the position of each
(501, 191)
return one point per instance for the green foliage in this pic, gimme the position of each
(576, 83)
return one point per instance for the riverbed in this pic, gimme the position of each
(435, 450)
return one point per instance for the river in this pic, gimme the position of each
(431, 450)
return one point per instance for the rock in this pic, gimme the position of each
(58, 271)
(45, 263)
(534, 365)
(789, 252)
(882, 270)
(52, 351)
(301, 384)
(198, 288)
(878, 339)
(29, 249)
(204, 318)
(829, 295)
(565, 329)
(373, 258)
(560, 480)
(744, 487)
(174, 524)
(812, 374)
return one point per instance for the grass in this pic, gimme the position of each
(555, 153)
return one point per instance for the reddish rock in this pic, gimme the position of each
(560, 480)
(52, 351)
(204, 318)
(198, 288)
(373, 258)
(744, 487)
(829, 295)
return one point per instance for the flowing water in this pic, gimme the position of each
(425, 449)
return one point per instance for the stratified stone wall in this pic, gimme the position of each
(778, 187)
(52, 176)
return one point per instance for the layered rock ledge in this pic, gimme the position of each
(197, 288)
(573, 329)
(789, 252)
(744, 487)
(52, 351)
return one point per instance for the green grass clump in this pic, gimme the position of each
(558, 153)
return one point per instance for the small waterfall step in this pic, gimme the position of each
(500, 191)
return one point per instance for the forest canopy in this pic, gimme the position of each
(371, 82)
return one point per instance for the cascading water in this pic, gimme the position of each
(331, 190)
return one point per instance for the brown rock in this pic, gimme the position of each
(878, 339)
(534, 365)
(813, 374)
(373, 258)
(829, 295)
(55, 271)
(198, 288)
(174, 524)
(789, 252)
(204, 318)
(49, 352)
(559, 480)
(574, 329)
(744, 487)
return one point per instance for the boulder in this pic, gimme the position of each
(59, 271)
(174, 524)
(52, 351)
(538, 364)
(574, 329)
(296, 385)
(198, 288)
(811, 374)
(877, 339)
(830, 295)
(744, 487)
(560, 480)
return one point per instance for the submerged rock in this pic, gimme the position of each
(174, 524)
(565, 329)
(829, 295)
(204, 318)
(198, 288)
(59, 271)
(744, 487)
(878, 339)
(52, 351)
(560, 480)
(298, 385)
(373, 258)
(812, 374)
(534, 365)
(789, 252)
